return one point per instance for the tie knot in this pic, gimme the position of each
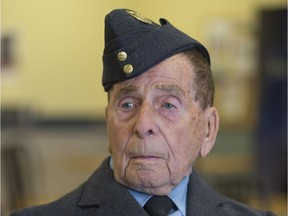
(159, 206)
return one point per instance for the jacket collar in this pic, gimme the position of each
(201, 199)
(111, 198)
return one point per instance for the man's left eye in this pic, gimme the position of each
(168, 106)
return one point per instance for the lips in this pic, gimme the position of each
(145, 157)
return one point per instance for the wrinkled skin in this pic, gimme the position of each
(156, 128)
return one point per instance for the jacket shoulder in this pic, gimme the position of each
(69, 202)
(233, 207)
(204, 200)
(81, 201)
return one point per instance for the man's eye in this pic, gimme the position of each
(168, 106)
(128, 105)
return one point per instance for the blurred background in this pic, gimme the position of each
(53, 133)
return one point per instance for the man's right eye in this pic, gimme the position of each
(128, 105)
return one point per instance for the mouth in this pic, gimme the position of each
(144, 162)
(145, 157)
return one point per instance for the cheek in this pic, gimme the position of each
(113, 133)
(116, 146)
(190, 139)
(118, 134)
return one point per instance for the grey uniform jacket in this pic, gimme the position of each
(101, 195)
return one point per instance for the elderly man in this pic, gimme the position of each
(160, 118)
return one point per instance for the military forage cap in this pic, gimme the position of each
(134, 44)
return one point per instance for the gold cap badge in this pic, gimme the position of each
(139, 17)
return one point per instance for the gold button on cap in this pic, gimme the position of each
(128, 68)
(122, 56)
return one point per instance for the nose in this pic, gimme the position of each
(145, 124)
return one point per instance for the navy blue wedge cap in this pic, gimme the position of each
(134, 44)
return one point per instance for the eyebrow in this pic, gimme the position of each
(126, 90)
(172, 89)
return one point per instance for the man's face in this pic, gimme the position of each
(156, 129)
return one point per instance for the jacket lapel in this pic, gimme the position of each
(107, 197)
(201, 199)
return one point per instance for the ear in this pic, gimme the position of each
(211, 130)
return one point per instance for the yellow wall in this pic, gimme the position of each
(59, 43)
